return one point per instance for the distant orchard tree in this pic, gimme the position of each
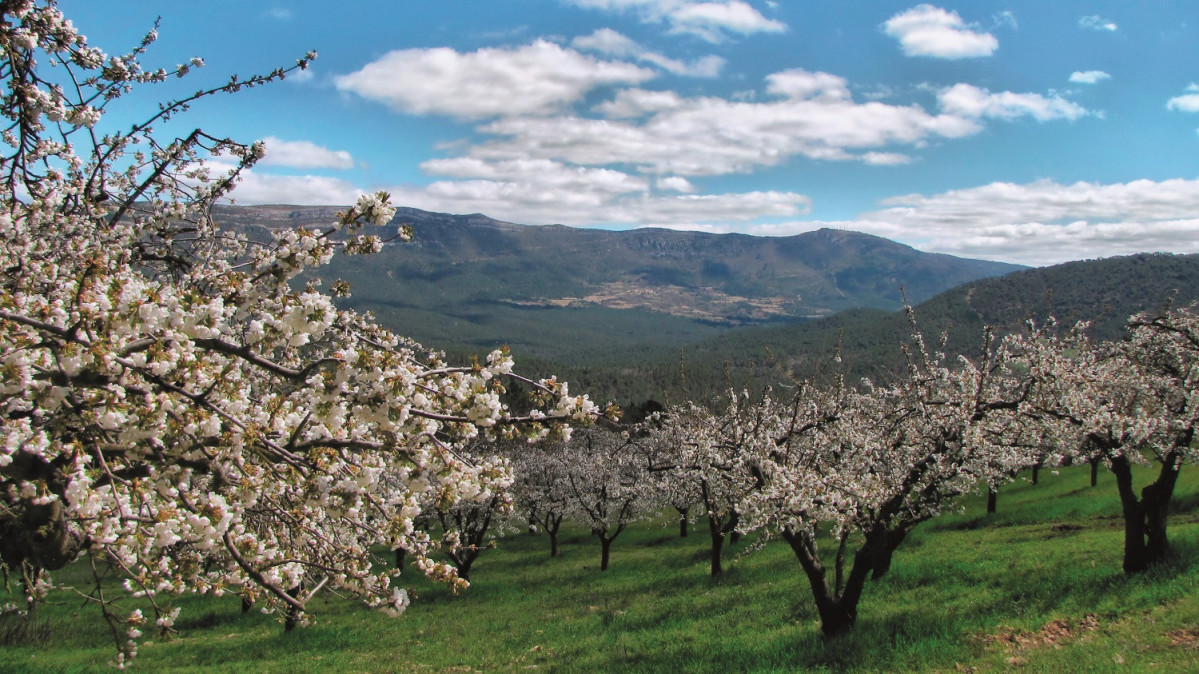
(469, 524)
(174, 403)
(608, 485)
(702, 455)
(541, 488)
(660, 450)
(1130, 402)
(863, 468)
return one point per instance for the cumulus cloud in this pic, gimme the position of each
(812, 115)
(1045, 222)
(538, 78)
(1089, 76)
(711, 20)
(630, 103)
(675, 184)
(1096, 22)
(259, 188)
(1188, 102)
(540, 191)
(714, 137)
(304, 154)
(969, 101)
(886, 158)
(544, 192)
(612, 43)
(802, 84)
(926, 30)
(540, 175)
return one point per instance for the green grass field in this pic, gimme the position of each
(1036, 587)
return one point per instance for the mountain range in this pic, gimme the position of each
(670, 315)
(469, 282)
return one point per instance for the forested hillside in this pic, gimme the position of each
(1104, 292)
(468, 283)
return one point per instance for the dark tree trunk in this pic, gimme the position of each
(717, 531)
(1155, 501)
(1136, 555)
(552, 524)
(293, 614)
(683, 512)
(29, 577)
(1094, 471)
(730, 527)
(464, 567)
(883, 550)
(472, 523)
(246, 604)
(605, 551)
(399, 558)
(463, 559)
(992, 500)
(838, 608)
(1036, 472)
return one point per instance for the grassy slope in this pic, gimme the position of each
(1037, 586)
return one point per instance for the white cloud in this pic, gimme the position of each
(297, 76)
(969, 101)
(1089, 76)
(1038, 223)
(886, 158)
(260, 188)
(675, 184)
(1096, 22)
(586, 197)
(608, 41)
(304, 154)
(538, 78)
(711, 20)
(926, 30)
(1045, 222)
(816, 117)
(612, 43)
(802, 84)
(1186, 102)
(1006, 18)
(631, 103)
(540, 191)
(710, 136)
(538, 175)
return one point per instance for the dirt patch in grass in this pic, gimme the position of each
(1052, 635)
(1187, 639)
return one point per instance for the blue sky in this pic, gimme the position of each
(1027, 131)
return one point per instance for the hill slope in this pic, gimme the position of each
(1105, 292)
(468, 282)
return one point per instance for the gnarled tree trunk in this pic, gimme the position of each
(1145, 539)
